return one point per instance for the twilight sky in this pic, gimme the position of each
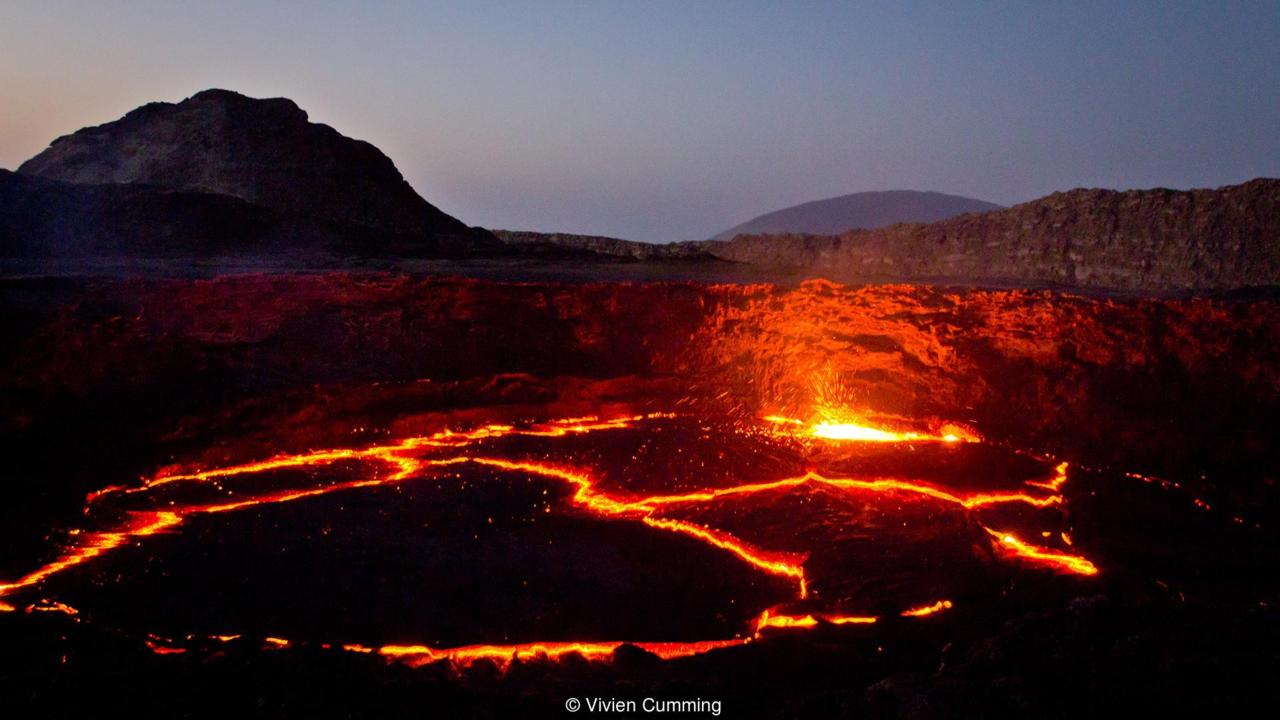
(664, 121)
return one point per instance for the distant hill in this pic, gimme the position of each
(262, 154)
(1137, 239)
(866, 210)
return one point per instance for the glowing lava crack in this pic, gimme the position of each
(410, 458)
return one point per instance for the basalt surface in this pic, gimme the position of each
(375, 494)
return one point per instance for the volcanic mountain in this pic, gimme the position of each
(864, 210)
(258, 168)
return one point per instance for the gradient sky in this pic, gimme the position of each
(663, 121)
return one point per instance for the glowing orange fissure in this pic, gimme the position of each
(1043, 556)
(94, 544)
(927, 609)
(586, 495)
(504, 655)
(833, 425)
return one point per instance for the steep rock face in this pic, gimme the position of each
(49, 219)
(42, 218)
(1140, 239)
(1140, 379)
(1147, 240)
(864, 210)
(263, 152)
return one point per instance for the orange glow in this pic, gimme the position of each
(877, 485)
(767, 620)
(770, 619)
(159, 649)
(927, 609)
(53, 606)
(504, 655)
(587, 496)
(952, 432)
(95, 544)
(1044, 556)
(835, 427)
(385, 453)
(850, 619)
(768, 562)
(1054, 483)
(851, 431)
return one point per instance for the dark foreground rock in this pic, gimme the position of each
(106, 381)
(49, 219)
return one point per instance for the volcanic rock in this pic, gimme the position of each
(603, 247)
(263, 153)
(1139, 239)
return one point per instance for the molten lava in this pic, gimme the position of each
(415, 457)
(928, 609)
(1042, 556)
(857, 431)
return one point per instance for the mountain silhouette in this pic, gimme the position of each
(865, 211)
(301, 182)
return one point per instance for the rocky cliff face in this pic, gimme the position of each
(262, 152)
(1148, 240)
(1141, 239)
(1107, 379)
